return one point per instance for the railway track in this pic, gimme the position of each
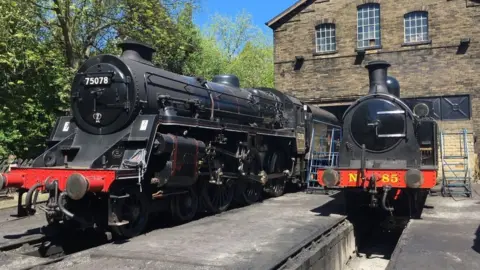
(36, 246)
(52, 245)
(6, 197)
(8, 215)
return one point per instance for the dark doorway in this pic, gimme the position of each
(337, 110)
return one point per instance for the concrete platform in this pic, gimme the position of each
(12, 229)
(254, 237)
(447, 236)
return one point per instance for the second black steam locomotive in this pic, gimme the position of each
(141, 139)
(388, 152)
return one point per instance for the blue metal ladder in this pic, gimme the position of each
(321, 159)
(456, 171)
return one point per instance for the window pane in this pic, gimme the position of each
(368, 25)
(416, 26)
(326, 40)
(419, 29)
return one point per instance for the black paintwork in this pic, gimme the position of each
(140, 86)
(372, 116)
(367, 124)
(227, 79)
(393, 86)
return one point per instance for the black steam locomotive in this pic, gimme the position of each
(388, 153)
(143, 140)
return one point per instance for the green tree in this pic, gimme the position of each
(168, 28)
(254, 66)
(209, 60)
(79, 27)
(30, 75)
(236, 46)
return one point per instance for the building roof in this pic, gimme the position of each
(287, 11)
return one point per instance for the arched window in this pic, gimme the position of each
(325, 38)
(416, 26)
(368, 26)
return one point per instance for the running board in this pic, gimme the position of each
(118, 224)
(262, 178)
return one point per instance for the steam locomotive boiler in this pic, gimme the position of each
(387, 155)
(141, 139)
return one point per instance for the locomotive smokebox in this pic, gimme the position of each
(377, 73)
(136, 51)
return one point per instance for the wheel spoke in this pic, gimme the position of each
(133, 209)
(184, 207)
(218, 198)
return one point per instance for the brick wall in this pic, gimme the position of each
(439, 68)
(421, 70)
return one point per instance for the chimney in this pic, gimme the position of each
(377, 73)
(136, 51)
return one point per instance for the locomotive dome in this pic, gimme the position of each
(393, 86)
(227, 79)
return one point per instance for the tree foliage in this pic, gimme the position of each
(236, 46)
(30, 76)
(45, 41)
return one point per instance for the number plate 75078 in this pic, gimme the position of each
(97, 80)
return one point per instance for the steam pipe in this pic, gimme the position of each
(35, 199)
(377, 74)
(28, 198)
(386, 189)
(61, 201)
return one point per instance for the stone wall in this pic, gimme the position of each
(432, 69)
(440, 67)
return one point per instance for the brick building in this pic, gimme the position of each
(433, 46)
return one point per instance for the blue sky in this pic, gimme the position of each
(261, 10)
